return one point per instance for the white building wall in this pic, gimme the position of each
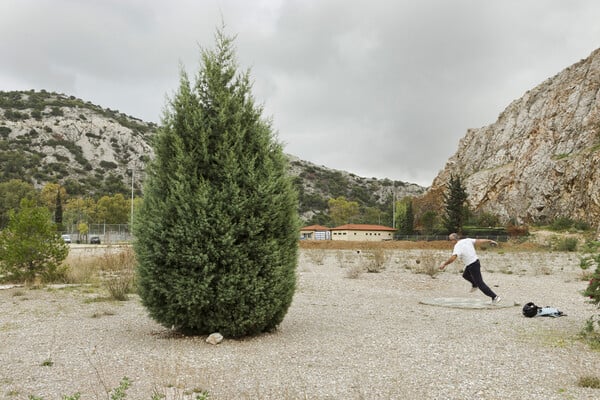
(361, 236)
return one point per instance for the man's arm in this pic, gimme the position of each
(492, 242)
(448, 261)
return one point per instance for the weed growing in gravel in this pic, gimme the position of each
(118, 393)
(592, 382)
(316, 256)
(426, 264)
(351, 261)
(376, 259)
(591, 332)
(354, 272)
(119, 272)
(200, 394)
(344, 258)
(102, 314)
(47, 363)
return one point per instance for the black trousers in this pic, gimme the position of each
(473, 274)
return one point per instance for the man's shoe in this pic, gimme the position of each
(496, 300)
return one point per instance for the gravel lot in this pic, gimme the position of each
(343, 338)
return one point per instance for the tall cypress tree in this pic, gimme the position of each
(218, 229)
(58, 212)
(455, 200)
(407, 220)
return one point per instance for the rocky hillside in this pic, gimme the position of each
(49, 137)
(541, 158)
(317, 184)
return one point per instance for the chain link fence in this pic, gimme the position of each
(107, 233)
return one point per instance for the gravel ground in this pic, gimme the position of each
(343, 338)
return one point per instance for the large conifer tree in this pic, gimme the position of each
(217, 232)
(455, 200)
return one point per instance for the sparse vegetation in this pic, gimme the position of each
(119, 273)
(426, 263)
(317, 256)
(588, 261)
(114, 271)
(390, 280)
(592, 382)
(376, 259)
(566, 244)
(354, 271)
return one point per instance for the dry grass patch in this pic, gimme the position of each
(113, 269)
(317, 256)
(376, 259)
(426, 263)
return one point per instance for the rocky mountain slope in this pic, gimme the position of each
(541, 158)
(49, 137)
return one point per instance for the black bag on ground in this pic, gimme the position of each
(530, 310)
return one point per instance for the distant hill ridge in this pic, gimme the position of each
(50, 137)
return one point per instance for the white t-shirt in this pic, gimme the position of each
(465, 250)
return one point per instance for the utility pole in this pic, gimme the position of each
(132, 180)
(394, 206)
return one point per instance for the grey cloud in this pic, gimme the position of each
(379, 88)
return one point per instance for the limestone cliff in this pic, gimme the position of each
(541, 158)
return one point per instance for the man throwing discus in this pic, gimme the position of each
(465, 250)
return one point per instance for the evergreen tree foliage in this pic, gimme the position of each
(58, 211)
(406, 220)
(217, 232)
(342, 211)
(30, 247)
(11, 194)
(455, 200)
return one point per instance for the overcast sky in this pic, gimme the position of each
(379, 88)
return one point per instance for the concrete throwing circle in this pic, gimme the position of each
(461, 302)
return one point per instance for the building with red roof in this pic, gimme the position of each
(315, 232)
(362, 232)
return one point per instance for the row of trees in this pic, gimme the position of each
(403, 216)
(66, 211)
(73, 213)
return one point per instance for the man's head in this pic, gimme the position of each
(453, 237)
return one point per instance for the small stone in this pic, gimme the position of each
(214, 338)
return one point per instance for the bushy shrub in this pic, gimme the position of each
(217, 233)
(517, 230)
(591, 331)
(119, 272)
(593, 289)
(376, 259)
(567, 244)
(30, 247)
(561, 224)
